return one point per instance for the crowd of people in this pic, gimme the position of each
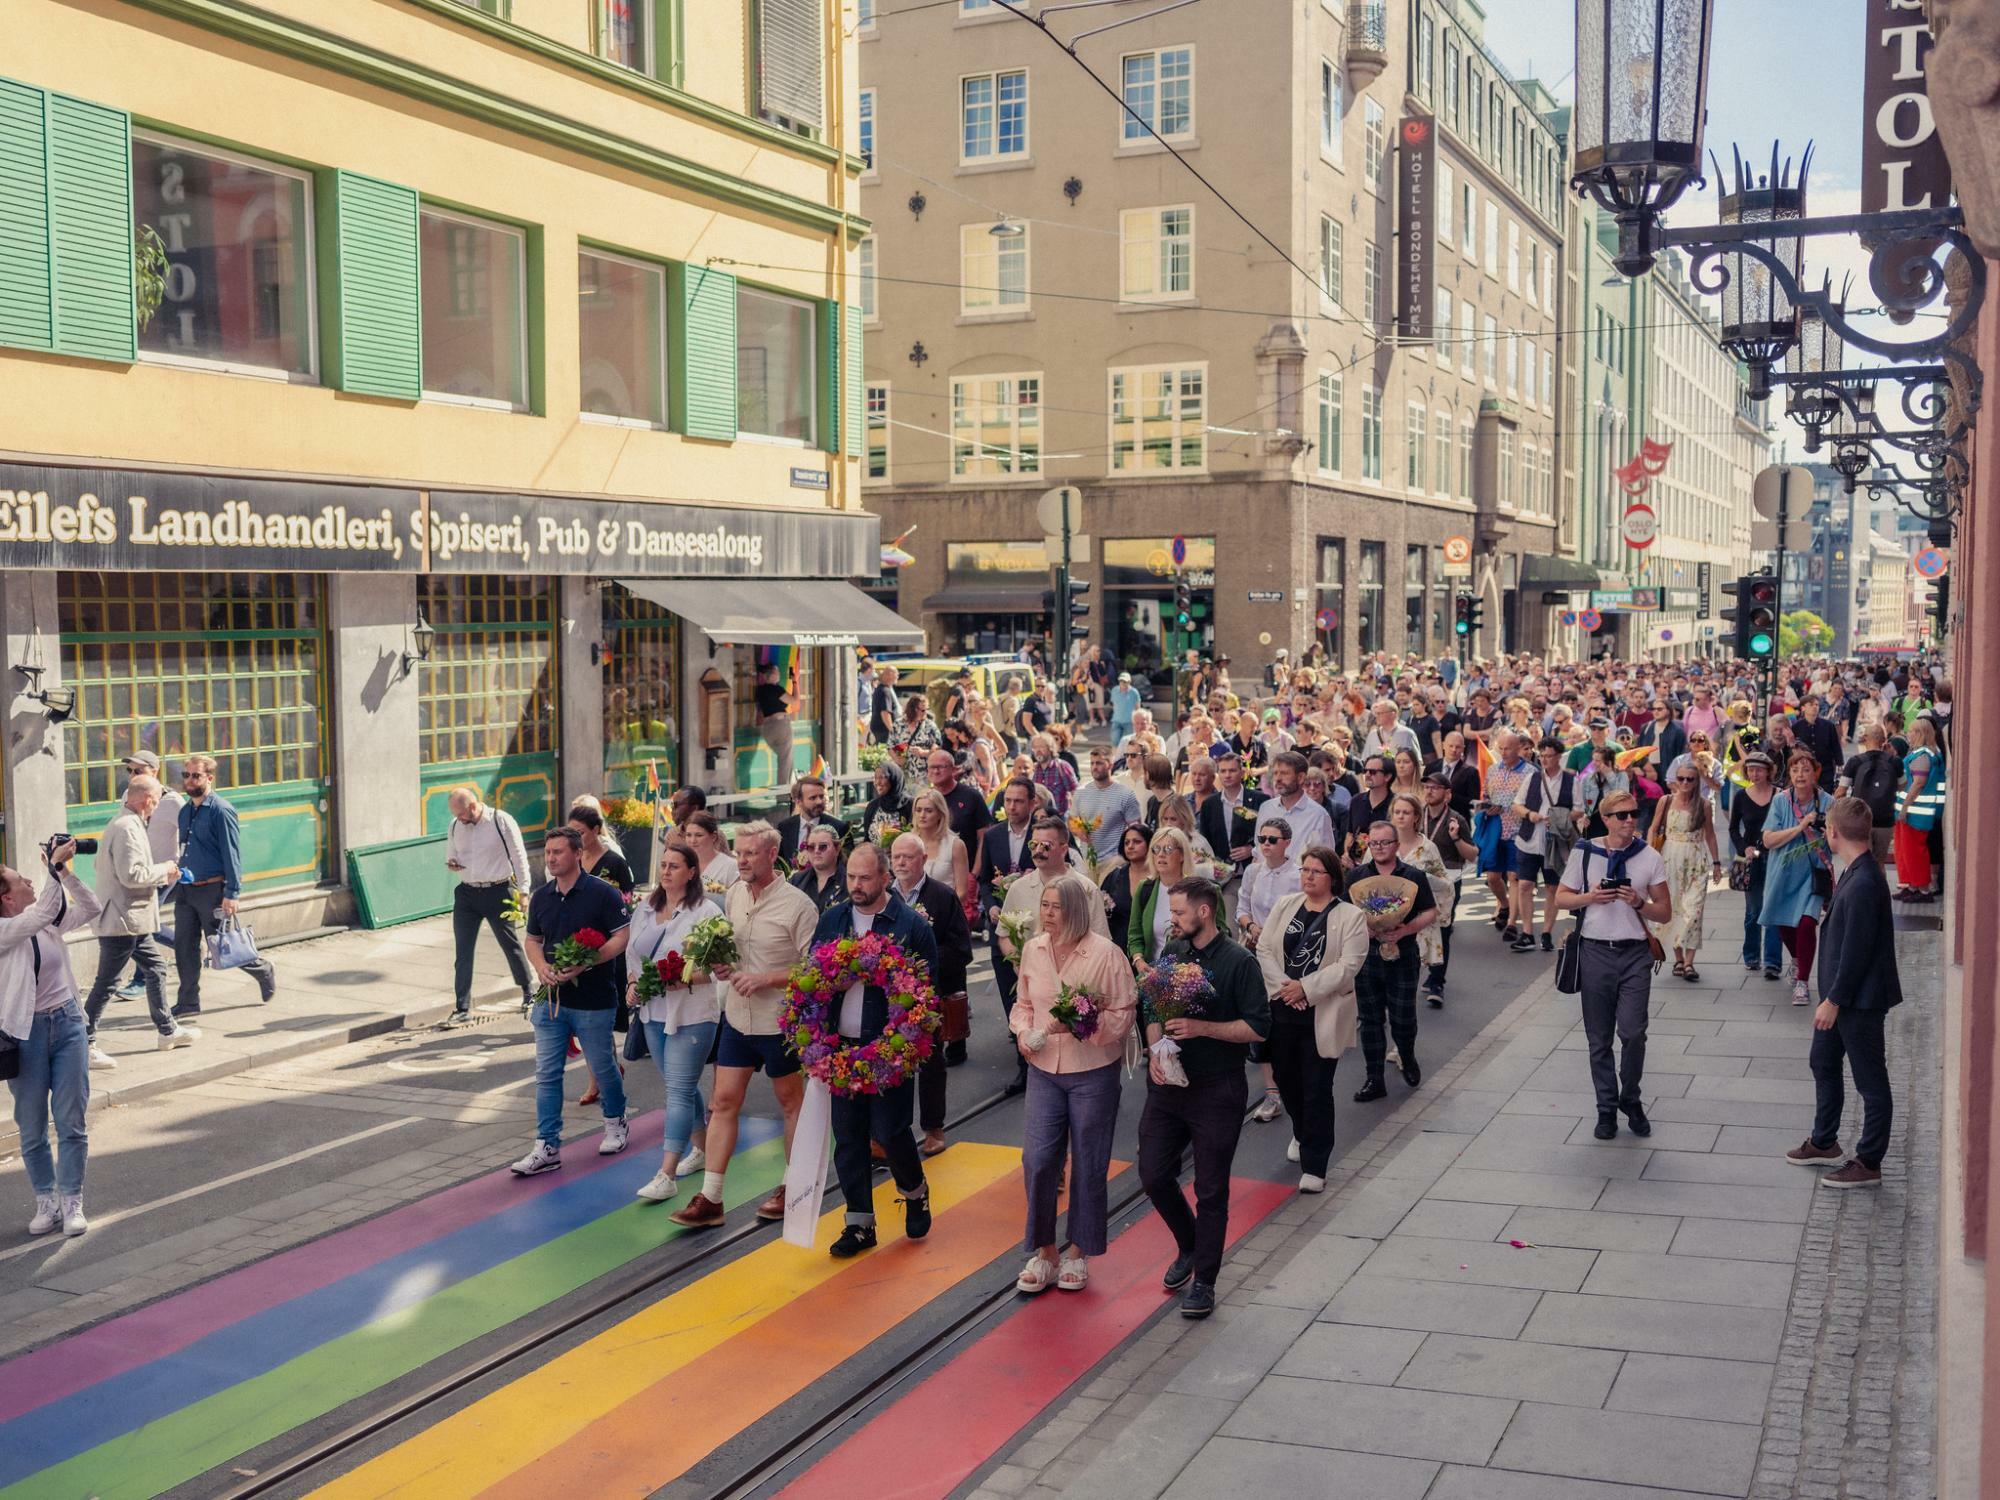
(1256, 881)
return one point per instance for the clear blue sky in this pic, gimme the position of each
(1788, 70)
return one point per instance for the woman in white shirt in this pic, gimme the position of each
(680, 1024)
(718, 865)
(944, 851)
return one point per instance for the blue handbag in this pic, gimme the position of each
(232, 945)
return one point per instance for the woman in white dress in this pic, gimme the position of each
(681, 1023)
(1418, 852)
(1688, 823)
(944, 851)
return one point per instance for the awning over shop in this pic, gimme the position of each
(777, 612)
(1557, 573)
(989, 598)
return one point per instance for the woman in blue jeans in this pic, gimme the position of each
(1747, 811)
(680, 1024)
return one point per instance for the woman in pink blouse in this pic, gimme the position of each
(1072, 1082)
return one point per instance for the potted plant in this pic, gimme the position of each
(632, 819)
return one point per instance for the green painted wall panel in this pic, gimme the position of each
(380, 345)
(525, 785)
(282, 832)
(90, 226)
(702, 348)
(826, 379)
(853, 421)
(26, 309)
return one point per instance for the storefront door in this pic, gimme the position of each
(641, 669)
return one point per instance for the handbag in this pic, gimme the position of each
(1569, 957)
(1822, 882)
(1742, 869)
(10, 1057)
(232, 945)
(957, 1013)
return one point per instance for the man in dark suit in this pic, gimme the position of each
(1858, 984)
(1003, 851)
(1239, 803)
(885, 1117)
(933, 900)
(808, 810)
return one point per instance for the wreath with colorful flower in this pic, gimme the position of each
(848, 1065)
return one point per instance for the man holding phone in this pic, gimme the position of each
(1617, 887)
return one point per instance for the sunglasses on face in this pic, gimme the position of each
(1624, 812)
(1269, 839)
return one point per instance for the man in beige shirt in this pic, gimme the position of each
(1048, 853)
(774, 922)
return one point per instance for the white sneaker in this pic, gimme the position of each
(74, 1223)
(1292, 1151)
(48, 1214)
(1268, 1109)
(615, 1136)
(180, 1036)
(662, 1188)
(100, 1060)
(1311, 1184)
(544, 1158)
(693, 1162)
(1801, 995)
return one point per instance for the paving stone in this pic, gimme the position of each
(1374, 1209)
(1753, 1171)
(1319, 1270)
(1658, 1043)
(1349, 1352)
(1715, 1457)
(1649, 1326)
(1529, 1130)
(177, 1247)
(1426, 1156)
(1730, 1239)
(1154, 1446)
(1231, 1466)
(1445, 1219)
(1372, 1419)
(1773, 1204)
(1787, 1117)
(1242, 1352)
(1665, 1137)
(1456, 1482)
(1723, 1390)
(1542, 1190)
(1699, 1064)
(1514, 1370)
(1786, 1068)
(1481, 1262)
(1592, 1160)
(1767, 1141)
(1463, 1110)
(1588, 1229)
(1691, 1278)
(1734, 1043)
(1753, 1090)
(1435, 1307)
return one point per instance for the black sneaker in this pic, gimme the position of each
(1510, 934)
(1198, 1301)
(1548, 942)
(853, 1240)
(1607, 1125)
(1370, 1091)
(1525, 943)
(1635, 1116)
(917, 1215)
(1179, 1274)
(1412, 1074)
(1434, 999)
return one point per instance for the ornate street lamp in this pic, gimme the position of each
(1641, 91)
(1854, 428)
(1759, 321)
(1816, 356)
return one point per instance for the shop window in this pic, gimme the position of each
(1330, 597)
(488, 689)
(641, 697)
(1145, 637)
(238, 241)
(622, 338)
(475, 312)
(221, 664)
(1371, 597)
(996, 426)
(798, 672)
(1157, 420)
(775, 340)
(1441, 590)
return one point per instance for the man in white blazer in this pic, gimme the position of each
(129, 882)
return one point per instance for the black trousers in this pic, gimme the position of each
(474, 906)
(113, 953)
(1008, 982)
(1435, 978)
(1856, 1037)
(1617, 992)
(1305, 1083)
(930, 1090)
(196, 915)
(879, 1117)
(1385, 992)
(1208, 1115)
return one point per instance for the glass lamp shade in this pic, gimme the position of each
(1817, 354)
(1641, 89)
(1757, 306)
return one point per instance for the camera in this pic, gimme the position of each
(83, 846)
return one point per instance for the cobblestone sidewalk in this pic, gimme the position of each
(1686, 1314)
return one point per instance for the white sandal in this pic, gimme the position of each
(1073, 1275)
(1035, 1275)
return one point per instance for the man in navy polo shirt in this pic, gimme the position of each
(576, 1003)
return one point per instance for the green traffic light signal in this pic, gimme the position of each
(1464, 627)
(1760, 644)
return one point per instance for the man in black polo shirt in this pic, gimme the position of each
(1386, 988)
(1207, 1112)
(576, 1002)
(967, 809)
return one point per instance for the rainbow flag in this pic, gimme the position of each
(1483, 758)
(819, 765)
(653, 777)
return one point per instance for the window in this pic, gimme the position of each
(622, 337)
(1416, 436)
(1332, 273)
(1442, 331)
(1492, 238)
(1371, 431)
(1446, 191)
(1426, 41)
(1533, 282)
(1492, 343)
(790, 63)
(1157, 419)
(864, 15)
(1413, 599)
(1530, 477)
(1475, 105)
(1329, 109)
(1371, 283)
(996, 426)
(1468, 221)
(1549, 378)
(1374, 144)
(1329, 423)
(1506, 467)
(867, 126)
(1549, 283)
(776, 349)
(993, 116)
(1451, 82)
(238, 240)
(1158, 91)
(1468, 345)
(1441, 446)
(871, 309)
(488, 687)
(1158, 253)
(994, 270)
(1371, 597)
(1513, 365)
(1465, 457)
(875, 402)
(625, 33)
(1331, 591)
(1513, 256)
(474, 309)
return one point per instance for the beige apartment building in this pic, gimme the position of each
(1312, 426)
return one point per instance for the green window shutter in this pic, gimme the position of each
(702, 350)
(827, 379)
(27, 314)
(90, 227)
(853, 429)
(379, 349)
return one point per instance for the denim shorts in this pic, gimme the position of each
(760, 1053)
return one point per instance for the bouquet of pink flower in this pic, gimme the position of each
(1170, 992)
(1078, 1011)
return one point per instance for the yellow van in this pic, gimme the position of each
(935, 675)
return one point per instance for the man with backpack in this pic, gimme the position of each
(1874, 776)
(1548, 806)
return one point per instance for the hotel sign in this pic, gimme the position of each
(1903, 164)
(1416, 214)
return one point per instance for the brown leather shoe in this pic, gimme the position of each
(933, 1143)
(772, 1207)
(1853, 1175)
(701, 1213)
(1806, 1154)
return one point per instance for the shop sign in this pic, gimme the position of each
(1267, 596)
(1624, 600)
(1416, 212)
(1683, 599)
(1903, 163)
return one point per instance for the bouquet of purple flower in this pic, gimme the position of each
(1077, 1010)
(1169, 992)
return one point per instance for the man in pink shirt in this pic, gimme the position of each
(1702, 716)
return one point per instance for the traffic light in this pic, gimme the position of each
(1079, 609)
(1183, 604)
(1468, 612)
(1754, 620)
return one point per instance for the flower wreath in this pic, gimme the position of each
(813, 995)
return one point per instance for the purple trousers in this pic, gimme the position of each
(1071, 1113)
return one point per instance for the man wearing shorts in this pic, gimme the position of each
(1506, 779)
(774, 922)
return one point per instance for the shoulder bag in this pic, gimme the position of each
(1569, 957)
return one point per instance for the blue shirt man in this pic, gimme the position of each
(208, 833)
(1125, 701)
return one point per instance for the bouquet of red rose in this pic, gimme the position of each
(577, 951)
(658, 975)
